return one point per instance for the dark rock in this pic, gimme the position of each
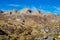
(2, 32)
(1, 11)
(29, 11)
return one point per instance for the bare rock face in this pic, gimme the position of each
(25, 11)
(36, 12)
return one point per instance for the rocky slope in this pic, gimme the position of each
(29, 24)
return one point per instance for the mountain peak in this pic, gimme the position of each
(25, 11)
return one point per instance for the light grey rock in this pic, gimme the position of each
(45, 38)
(45, 29)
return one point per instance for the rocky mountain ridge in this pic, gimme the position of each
(29, 25)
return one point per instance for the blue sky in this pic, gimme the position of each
(42, 5)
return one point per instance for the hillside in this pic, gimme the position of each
(29, 24)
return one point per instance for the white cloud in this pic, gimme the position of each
(58, 9)
(42, 10)
(14, 5)
(34, 8)
(55, 13)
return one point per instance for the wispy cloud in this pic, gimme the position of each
(14, 5)
(34, 8)
(58, 9)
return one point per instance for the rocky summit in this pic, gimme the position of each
(29, 24)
